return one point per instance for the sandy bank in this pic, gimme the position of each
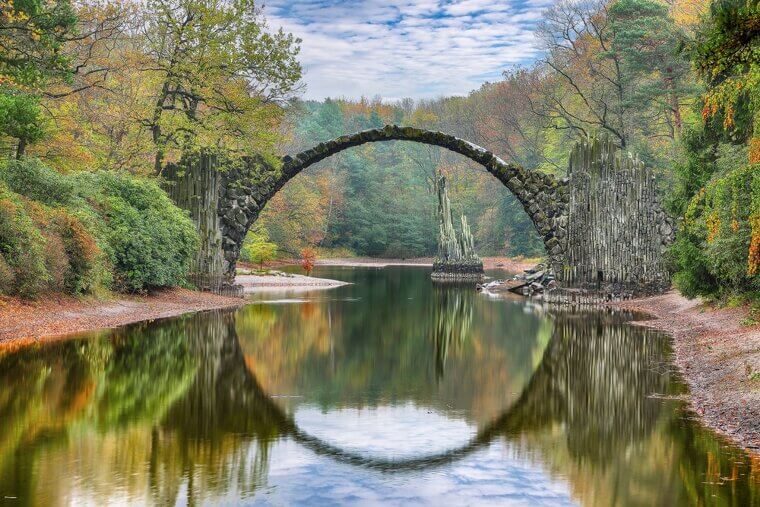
(719, 359)
(56, 316)
(260, 283)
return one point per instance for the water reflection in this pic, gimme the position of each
(452, 310)
(285, 404)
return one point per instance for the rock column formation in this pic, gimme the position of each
(456, 258)
(195, 186)
(617, 231)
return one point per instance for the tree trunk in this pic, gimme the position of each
(20, 149)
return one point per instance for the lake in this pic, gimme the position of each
(388, 391)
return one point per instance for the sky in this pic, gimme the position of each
(407, 48)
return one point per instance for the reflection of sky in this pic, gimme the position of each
(388, 432)
(490, 476)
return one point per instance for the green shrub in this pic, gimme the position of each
(22, 246)
(257, 248)
(716, 252)
(81, 232)
(56, 263)
(150, 240)
(33, 179)
(6, 276)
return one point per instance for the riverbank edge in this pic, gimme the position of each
(57, 317)
(285, 282)
(716, 356)
(508, 264)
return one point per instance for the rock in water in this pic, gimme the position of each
(456, 258)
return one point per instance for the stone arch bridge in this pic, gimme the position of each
(601, 226)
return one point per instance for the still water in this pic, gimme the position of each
(389, 391)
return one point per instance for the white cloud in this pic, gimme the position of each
(407, 48)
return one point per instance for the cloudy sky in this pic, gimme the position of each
(407, 48)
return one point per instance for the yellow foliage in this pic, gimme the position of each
(688, 12)
(424, 118)
(713, 226)
(754, 150)
(754, 247)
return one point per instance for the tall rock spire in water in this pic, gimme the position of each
(456, 253)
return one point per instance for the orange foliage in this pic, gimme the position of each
(76, 237)
(713, 226)
(308, 258)
(754, 247)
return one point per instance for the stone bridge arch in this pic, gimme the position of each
(543, 197)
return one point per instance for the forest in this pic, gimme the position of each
(96, 99)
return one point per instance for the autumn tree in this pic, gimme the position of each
(32, 34)
(727, 55)
(308, 259)
(88, 110)
(257, 247)
(584, 87)
(217, 74)
(717, 251)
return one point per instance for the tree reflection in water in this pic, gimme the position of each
(183, 398)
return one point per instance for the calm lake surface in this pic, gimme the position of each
(390, 391)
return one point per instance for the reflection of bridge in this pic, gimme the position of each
(586, 380)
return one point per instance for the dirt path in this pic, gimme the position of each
(719, 359)
(53, 317)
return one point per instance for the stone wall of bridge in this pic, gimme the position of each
(617, 231)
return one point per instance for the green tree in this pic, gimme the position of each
(257, 247)
(32, 34)
(717, 252)
(657, 73)
(20, 119)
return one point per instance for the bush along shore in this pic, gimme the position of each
(88, 233)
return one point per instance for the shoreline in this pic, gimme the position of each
(57, 317)
(718, 359)
(254, 284)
